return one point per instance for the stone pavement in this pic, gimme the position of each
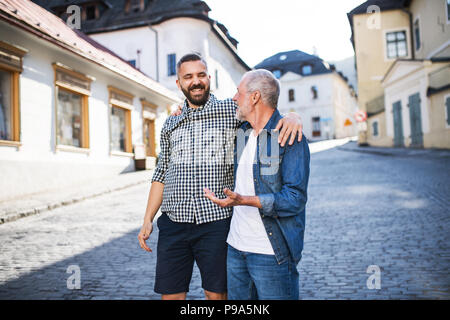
(14, 209)
(364, 209)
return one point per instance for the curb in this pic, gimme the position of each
(13, 216)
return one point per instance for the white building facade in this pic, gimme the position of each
(73, 112)
(317, 92)
(161, 46)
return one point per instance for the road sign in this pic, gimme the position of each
(347, 122)
(360, 116)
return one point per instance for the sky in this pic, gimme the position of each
(266, 27)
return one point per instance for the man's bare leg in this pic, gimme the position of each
(175, 296)
(215, 296)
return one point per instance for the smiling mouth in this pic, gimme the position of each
(197, 90)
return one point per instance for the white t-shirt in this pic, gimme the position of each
(247, 232)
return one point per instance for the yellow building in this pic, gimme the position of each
(402, 52)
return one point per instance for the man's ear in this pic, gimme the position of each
(256, 96)
(178, 84)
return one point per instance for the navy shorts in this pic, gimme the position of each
(180, 244)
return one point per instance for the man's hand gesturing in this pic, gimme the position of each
(144, 234)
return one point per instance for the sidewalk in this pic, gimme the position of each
(22, 207)
(395, 152)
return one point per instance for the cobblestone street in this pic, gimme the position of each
(364, 209)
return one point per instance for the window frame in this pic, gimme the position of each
(303, 66)
(15, 72)
(277, 70)
(128, 108)
(148, 107)
(447, 11)
(291, 95)
(316, 133)
(171, 64)
(385, 43)
(417, 20)
(85, 94)
(377, 123)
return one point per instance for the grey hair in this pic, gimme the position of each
(264, 81)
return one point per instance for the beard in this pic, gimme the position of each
(197, 100)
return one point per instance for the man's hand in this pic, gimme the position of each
(177, 112)
(232, 199)
(144, 234)
(291, 124)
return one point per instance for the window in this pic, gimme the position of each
(277, 73)
(72, 113)
(134, 5)
(91, 12)
(132, 62)
(171, 65)
(291, 95)
(448, 11)
(149, 111)
(316, 126)
(5, 105)
(417, 34)
(306, 70)
(121, 104)
(396, 44)
(314, 92)
(70, 110)
(447, 111)
(375, 128)
(10, 69)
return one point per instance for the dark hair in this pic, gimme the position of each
(194, 56)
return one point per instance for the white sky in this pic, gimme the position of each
(266, 27)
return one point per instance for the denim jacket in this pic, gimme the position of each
(280, 177)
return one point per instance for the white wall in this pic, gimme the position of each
(333, 102)
(36, 165)
(179, 36)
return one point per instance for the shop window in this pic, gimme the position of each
(10, 69)
(121, 104)
(72, 110)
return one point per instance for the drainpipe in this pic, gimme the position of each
(156, 51)
(411, 33)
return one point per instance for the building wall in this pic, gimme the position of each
(333, 104)
(409, 78)
(177, 36)
(37, 165)
(345, 106)
(126, 43)
(434, 28)
(380, 140)
(439, 137)
(370, 51)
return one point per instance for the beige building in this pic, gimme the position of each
(402, 51)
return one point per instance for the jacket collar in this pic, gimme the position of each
(270, 125)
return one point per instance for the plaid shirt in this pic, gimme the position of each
(197, 152)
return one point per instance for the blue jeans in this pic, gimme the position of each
(253, 276)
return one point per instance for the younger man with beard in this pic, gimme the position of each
(196, 151)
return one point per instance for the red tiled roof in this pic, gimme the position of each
(44, 24)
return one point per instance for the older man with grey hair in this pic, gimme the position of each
(265, 240)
